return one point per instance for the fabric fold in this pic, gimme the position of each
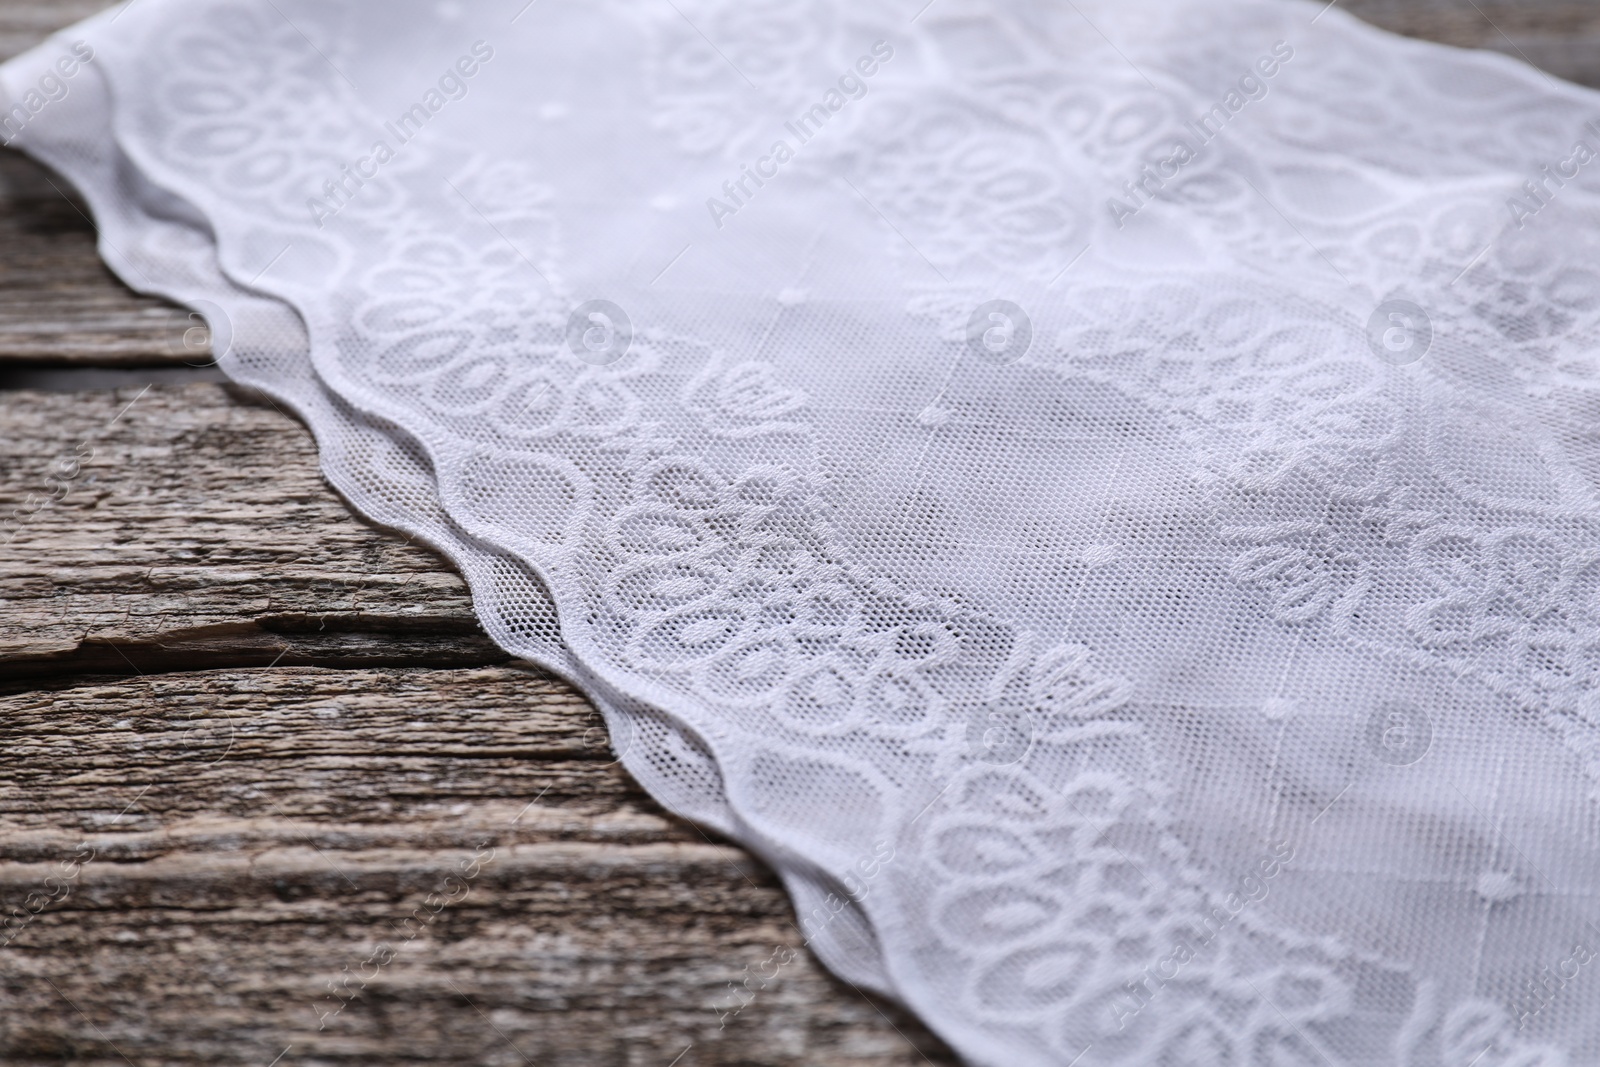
(1106, 492)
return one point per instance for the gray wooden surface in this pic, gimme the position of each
(270, 734)
(248, 743)
(278, 732)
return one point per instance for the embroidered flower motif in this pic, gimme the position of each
(1295, 565)
(743, 400)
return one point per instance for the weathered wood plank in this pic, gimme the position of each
(1560, 36)
(254, 832)
(238, 840)
(282, 819)
(24, 23)
(58, 302)
(184, 526)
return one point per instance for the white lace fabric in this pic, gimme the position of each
(1101, 497)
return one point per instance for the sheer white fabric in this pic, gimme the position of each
(1102, 497)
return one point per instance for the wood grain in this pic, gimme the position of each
(246, 740)
(256, 830)
(25, 23)
(58, 302)
(187, 527)
(248, 837)
(1559, 36)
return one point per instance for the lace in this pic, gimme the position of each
(1105, 510)
(155, 239)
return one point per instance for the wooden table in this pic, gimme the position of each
(248, 743)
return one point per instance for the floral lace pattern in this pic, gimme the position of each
(1064, 834)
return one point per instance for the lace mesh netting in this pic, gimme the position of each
(1102, 497)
